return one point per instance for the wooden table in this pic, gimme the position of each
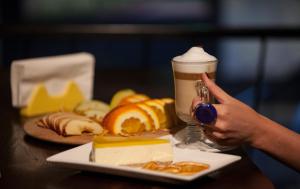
(23, 158)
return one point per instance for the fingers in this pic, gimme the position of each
(221, 138)
(217, 139)
(216, 91)
(219, 126)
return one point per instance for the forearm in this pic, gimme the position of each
(278, 141)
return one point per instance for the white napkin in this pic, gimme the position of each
(54, 72)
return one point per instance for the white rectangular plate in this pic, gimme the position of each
(78, 158)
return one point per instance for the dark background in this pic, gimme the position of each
(257, 44)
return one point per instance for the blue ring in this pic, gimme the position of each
(205, 113)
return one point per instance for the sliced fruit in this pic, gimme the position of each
(158, 107)
(152, 114)
(92, 105)
(96, 115)
(167, 100)
(134, 99)
(169, 106)
(118, 96)
(93, 109)
(126, 120)
(67, 124)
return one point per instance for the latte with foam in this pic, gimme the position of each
(187, 69)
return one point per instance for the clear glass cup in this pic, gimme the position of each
(188, 85)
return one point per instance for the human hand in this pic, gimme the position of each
(236, 123)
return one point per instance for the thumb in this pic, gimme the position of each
(215, 90)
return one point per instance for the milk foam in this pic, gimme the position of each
(195, 60)
(195, 54)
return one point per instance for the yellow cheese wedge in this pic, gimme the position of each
(41, 102)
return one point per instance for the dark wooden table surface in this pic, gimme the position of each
(23, 159)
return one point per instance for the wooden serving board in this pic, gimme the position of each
(35, 131)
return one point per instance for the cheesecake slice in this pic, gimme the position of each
(130, 151)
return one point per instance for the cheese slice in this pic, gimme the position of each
(127, 151)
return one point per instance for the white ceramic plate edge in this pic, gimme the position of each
(71, 159)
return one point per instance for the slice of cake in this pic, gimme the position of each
(129, 151)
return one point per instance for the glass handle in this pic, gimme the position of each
(202, 91)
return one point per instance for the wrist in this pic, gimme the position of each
(260, 135)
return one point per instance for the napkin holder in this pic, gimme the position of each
(48, 84)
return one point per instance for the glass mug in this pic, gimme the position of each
(188, 84)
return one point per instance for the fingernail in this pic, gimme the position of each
(203, 75)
